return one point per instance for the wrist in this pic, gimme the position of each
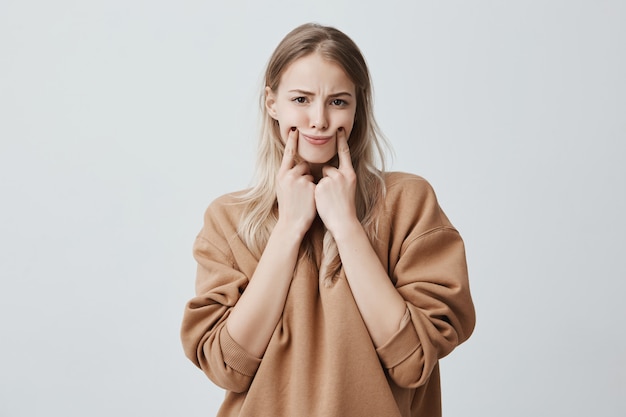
(347, 231)
(288, 233)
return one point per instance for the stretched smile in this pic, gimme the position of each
(316, 140)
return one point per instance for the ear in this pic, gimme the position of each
(270, 102)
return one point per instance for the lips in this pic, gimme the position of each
(316, 140)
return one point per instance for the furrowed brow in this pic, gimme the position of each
(340, 94)
(303, 92)
(308, 93)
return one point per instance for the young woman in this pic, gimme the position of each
(331, 287)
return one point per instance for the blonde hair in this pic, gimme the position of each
(366, 143)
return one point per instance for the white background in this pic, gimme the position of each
(121, 120)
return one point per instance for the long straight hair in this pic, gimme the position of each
(367, 145)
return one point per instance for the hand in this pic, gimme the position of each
(295, 190)
(335, 192)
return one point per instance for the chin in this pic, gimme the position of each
(316, 156)
(317, 159)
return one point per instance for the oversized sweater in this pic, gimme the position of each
(321, 361)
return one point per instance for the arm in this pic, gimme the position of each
(429, 310)
(255, 316)
(379, 303)
(227, 326)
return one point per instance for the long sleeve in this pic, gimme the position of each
(321, 360)
(219, 284)
(428, 266)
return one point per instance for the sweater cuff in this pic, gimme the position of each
(236, 357)
(401, 345)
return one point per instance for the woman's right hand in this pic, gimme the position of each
(295, 190)
(253, 319)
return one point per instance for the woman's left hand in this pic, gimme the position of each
(335, 192)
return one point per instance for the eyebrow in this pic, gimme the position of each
(308, 93)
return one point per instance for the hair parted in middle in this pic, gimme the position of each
(367, 144)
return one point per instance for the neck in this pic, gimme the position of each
(316, 168)
(316, 171)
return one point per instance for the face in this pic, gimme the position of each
(317, 98)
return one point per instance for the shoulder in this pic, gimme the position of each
(228, 200)
(225, 211)
(404, 187)
(411, 201)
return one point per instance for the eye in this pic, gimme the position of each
(339, 102)
(299, 100)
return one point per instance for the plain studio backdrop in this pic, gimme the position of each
(121, 120)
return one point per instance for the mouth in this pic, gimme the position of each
(316, 140)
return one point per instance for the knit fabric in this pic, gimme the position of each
(321, 361)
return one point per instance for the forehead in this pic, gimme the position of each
(312, 73)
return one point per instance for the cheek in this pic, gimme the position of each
(289, 119)
(348, 123)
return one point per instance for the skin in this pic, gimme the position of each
(315, 99)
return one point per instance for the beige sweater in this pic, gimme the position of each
(321, 361)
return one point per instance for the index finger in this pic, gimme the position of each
(343, 150)
(290, 149)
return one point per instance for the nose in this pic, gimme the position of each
(318, 117)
